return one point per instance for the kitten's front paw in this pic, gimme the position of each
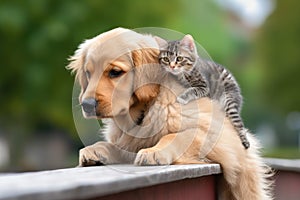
(181, 100)
(152, 157)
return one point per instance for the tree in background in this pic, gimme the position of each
(37, 37)
(278, 67)
(279, 46)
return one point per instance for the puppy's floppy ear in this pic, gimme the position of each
(76, 66)
(161, 42)
(145, 63)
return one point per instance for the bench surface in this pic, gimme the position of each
(89, 182)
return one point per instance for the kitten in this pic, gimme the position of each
(203, 79)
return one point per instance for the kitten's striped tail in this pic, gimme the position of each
(234, 116)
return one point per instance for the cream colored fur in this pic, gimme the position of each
(170, 133)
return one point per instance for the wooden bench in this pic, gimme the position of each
(130, 182)
(114, 182)
(287, 178)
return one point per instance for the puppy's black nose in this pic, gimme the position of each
(89, 105)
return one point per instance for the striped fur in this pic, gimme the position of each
(204, 79)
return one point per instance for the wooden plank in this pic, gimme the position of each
(284, 164)
(287, 178)
(84, 183)
(191, 189)
(287, 185)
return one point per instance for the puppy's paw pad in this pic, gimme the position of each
(90, 157)
(151, 157)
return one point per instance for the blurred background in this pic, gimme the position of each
(259, 41)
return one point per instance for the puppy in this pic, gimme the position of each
(122, 83)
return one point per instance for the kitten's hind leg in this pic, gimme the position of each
(192, 93)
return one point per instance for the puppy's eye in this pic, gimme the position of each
(166, 59)
(179, 58)
(114, 73)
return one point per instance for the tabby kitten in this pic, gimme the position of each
(203, 79)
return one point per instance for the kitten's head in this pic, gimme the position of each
(177, 56)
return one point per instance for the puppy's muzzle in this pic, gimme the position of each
(89, 105)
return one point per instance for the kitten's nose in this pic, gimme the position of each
(172, 65)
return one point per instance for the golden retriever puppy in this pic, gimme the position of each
(122, 84)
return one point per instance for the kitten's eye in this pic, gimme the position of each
(179, 58)
(114, 73)
(166, 59)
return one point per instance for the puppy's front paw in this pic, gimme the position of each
(151, 156)
(90, 156)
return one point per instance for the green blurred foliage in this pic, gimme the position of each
(271, 75)
(283, 152)
(37, 37)
(279, 48)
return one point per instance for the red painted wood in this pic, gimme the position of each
(187, 189)
(287, 185)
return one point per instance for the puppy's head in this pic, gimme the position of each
(116, 70)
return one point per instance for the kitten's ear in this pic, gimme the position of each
(161, 42)
(188, 41)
